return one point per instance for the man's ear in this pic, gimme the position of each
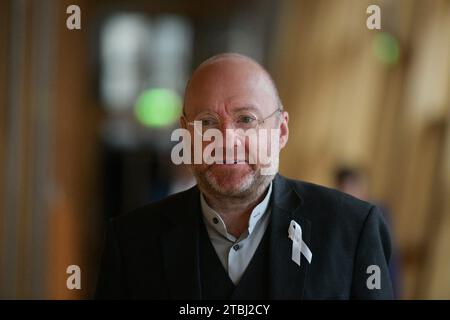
(182, 122)
(284, 129)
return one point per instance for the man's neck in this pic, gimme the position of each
(236, 212)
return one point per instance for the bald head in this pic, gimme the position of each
(226, 76)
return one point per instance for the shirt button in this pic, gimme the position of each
(215, 220)
(236, 247)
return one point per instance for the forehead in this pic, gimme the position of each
(228, 86)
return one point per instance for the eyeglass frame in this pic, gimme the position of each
(259, 122)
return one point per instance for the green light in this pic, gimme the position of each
(158, 107)
(386, 48)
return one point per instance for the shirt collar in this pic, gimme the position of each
(214, 219)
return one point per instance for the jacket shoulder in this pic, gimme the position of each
(321, 200)
(153, 215)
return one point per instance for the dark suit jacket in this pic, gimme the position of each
(152, 253)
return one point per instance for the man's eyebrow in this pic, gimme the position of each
(243, 107)
(247, 107)
(200, 112)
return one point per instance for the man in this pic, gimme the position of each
(241, 233)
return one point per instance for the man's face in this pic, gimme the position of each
(228, 89)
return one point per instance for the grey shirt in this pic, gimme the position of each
(235, 254)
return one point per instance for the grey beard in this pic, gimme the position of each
(255, 183)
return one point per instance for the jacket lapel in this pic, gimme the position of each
(287, 278)
(180, 250)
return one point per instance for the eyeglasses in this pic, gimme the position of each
(244, 120)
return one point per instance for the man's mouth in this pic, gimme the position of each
(233, 162)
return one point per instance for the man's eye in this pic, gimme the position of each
(246, 119)
(208, 122)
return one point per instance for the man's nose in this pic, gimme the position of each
(225, 124)
(231, 136)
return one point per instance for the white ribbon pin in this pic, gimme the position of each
(298, 245)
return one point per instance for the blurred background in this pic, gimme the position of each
(86, 117)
